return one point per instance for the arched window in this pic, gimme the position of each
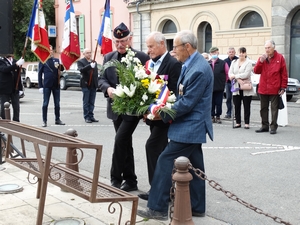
(169, 27)
(251, 19)
(204, 35)
(295, 47)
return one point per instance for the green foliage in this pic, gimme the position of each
(21, 16)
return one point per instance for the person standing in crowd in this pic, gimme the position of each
(122, 173)
(273, 82)
(231, 56)
(241, 69)
(220, 69)
(10, 84)
(162, 63)
(49, 77)
(88, 84)
(187, 130)
(206, 56)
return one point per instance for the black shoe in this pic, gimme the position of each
(260, 130)
(126, 187)
(94, 120)
(59, 122)
(116, 184)
(237, 126)
(152, 214)
(44, 124)
(273, 132)
(144, 196)
(88, 121)
(196, 214)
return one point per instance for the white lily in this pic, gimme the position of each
(140, 73)
(119, 91)
(129, 91)
(153, 86)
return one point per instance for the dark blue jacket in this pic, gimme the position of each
(48, 75)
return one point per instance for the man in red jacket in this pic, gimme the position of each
(273, 82)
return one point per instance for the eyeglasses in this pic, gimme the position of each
(121, 41)
(174, 47)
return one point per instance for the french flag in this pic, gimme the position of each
(70, 42)
(105, 36)
(37, 32)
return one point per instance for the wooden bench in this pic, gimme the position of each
(58, 174)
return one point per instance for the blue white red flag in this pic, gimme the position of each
(70, 43)
(105, 35)
(37, 32)
(161, 100)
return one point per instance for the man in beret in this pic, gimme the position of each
(122, 172)
(220, 69)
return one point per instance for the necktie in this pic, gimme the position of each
(183, 68)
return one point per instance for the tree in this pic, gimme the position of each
(21, 17)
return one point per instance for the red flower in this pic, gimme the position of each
(148, 72)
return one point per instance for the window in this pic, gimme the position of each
(80, 29)
(204, 35)
(251, 19)
(169, 27)
(295, 47)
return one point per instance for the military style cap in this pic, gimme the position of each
(213, 49)
(121, 31)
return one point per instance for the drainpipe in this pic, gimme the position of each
(137, 10)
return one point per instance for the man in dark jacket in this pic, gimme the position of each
(273, 82)
(48, 77)
(10, 84)
(162, 63)
(122, 168)
(220, 70)
(88, 84)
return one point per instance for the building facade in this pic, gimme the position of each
(224, 23)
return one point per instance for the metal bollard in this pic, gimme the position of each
(182, 206)
(7, 110)
(71, 157)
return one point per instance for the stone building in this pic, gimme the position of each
(224, 23)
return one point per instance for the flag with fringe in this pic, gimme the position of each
(70, 42)
(37, 32)
(105, 35)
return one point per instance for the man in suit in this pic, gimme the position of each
(187, 130)
(162, 63)
(88, 84)
(122, 173)
(48, 77)
(10, 84)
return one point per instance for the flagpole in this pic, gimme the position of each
(91, 73)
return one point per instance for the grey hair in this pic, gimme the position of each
(158, 37)
(187, 36)
(271, 42)
(231, 48)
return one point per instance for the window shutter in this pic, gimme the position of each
(81, 33)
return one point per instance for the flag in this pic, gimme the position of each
(105, 36)
(37, 32)
(70, 42)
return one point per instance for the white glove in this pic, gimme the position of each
(21, 92)
(93, 65)
(41, 90)
(20, 62)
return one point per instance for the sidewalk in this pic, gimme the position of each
(21, 207)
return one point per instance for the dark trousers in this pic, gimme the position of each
(264, 111)
(217, 100)
(56, 99)
(155, 144)
(228, 99)
(122, 167)
(88, 99)
(14, 99)
(162, 180)
(237, 100)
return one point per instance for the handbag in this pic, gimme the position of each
(245, 84)
(234, 87)
(280, 103)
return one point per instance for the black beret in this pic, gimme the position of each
(121, 31)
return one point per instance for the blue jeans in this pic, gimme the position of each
(217, 100)
(162, 181)
(56, 99)
(88, 99)
(228, 99)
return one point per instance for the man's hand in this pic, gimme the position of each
(263, 58)
(20, 62)
(110, 92)
(93, 64)
(281, 92)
